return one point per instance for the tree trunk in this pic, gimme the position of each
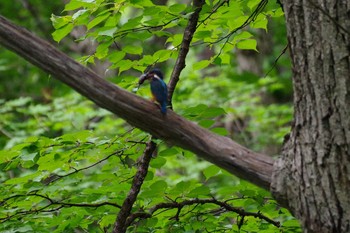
(313, 175)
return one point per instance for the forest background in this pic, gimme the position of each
(68, 165)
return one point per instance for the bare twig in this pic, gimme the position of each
(250, 19)
(56, 177)
(137, 182)
(179, 205)
(276, 60)
(51, 203)
(215, 9)
(185, 45)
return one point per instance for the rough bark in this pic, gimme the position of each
(312, 177)
(141, 113)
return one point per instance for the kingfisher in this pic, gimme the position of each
(159, 89)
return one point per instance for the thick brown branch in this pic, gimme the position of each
(185, 46)
(141, 113)
(137, 182)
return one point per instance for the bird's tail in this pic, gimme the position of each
(163, 108)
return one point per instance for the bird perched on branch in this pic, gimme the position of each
(158, 88)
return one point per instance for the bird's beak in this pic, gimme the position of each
(143, 78)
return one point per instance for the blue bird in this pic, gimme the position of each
(158, 88)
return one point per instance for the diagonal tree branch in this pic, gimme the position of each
(141, 113)
(185, 46)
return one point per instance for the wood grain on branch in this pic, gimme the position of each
(139, 112)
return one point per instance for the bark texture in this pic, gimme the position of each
(141, 113)
(312, 177)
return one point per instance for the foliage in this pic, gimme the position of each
(67, 166)
(30, 80)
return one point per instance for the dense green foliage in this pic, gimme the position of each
(67, 166)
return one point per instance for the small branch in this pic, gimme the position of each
(125, 210)
(51, 203)
(185, 45)
(250, 19)
(179, 205)
(276, 60)
(123, 33)
(215, 9)
(56, 177)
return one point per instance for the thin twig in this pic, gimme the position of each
(215, 9)
(179, 205)
(51, 203)
(56, 177)
(276, 60)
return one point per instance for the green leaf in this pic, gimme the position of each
(183, 187)
(162, 55)
(6, 156)
(249, 44)
(98, 20)
(133, 49)
(60, 33)
(73, 4)
(260, 22)
(36, 176)
(107, 220)
(206, 123)
(102, 50)
(291, 223)
(195, 111)
(177, 8)
(236, 23)
(60, 21)
(199, 191)
(79, 13)
(18, 102)
(158, 162)
(132, 23)
(116, 56)
(80, 136)
(252, 3)
(202, 34)
(108, 31)
(212, 112)
(201, 64)
(159, 186)
(176, 39)
(221, 131)
(124, 65)
(211, 171)
(243, 35)
(168, 152)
